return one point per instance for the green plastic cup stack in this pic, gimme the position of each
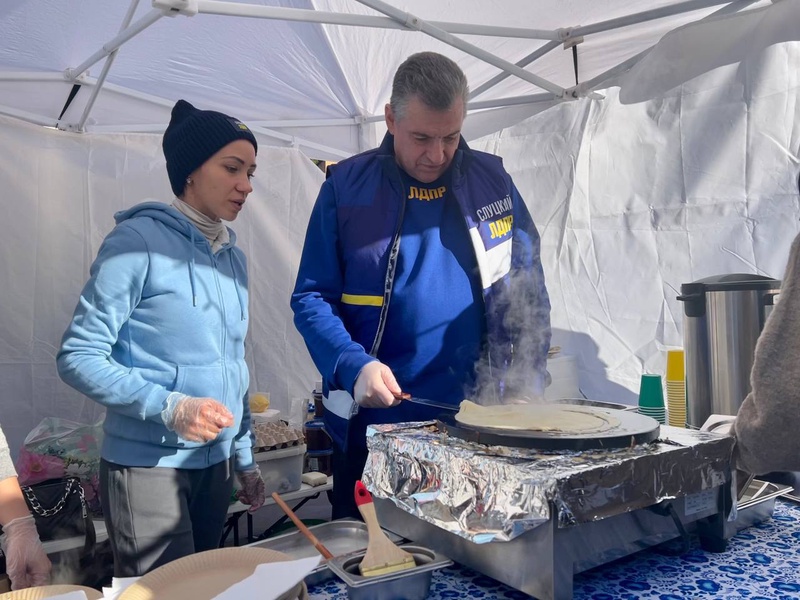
(651, 398)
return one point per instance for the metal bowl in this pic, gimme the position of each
(408, 584)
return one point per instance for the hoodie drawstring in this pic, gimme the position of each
(233, 272)
(191, 268)
(236, 285)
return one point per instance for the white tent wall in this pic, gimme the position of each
(633, 200)
(59, 194)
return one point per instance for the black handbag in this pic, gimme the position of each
(59, 508)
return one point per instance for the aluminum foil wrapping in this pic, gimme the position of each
(496, 493)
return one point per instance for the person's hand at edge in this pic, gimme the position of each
(376, 386)
(27, 564)
(253, 490)
(196, 419)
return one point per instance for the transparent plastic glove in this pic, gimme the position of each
(376, 386)
(196, 419)
(27, 564)
(253, 490)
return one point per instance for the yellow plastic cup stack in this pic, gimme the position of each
(676, 388)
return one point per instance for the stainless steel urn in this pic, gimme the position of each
(723, 317)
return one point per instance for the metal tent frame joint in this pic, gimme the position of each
(571, 42)
(567, 36)
(171, 8)
(73, 77)
(412, 22)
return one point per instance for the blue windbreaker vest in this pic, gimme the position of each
(370, 202)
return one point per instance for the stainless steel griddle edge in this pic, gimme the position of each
(634, 429)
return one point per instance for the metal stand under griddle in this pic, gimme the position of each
(542, 562)
(599, 506)
(632, 429)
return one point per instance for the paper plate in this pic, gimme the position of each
(205, 575)
(48, 591)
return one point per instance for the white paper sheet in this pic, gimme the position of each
(270, 580)
(118, 585)
(79, 595)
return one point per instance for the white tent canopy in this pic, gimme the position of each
(688, 169)
(313, 74)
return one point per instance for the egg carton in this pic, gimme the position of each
(271, 436)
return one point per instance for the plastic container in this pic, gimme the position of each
(282, 469)
(319, 408)
(316, 397)
(316, 436)
(271, 415)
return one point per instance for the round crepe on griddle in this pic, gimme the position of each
(556, 418)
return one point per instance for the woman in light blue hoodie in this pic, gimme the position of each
(158, 339)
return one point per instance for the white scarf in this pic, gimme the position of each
(214, 231)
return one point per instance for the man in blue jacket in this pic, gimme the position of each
(420, 273)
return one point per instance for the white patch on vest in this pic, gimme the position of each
(494, 263)
(340, 403)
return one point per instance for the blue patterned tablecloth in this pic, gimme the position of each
(761, 563)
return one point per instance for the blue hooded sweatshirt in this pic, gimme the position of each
(161, 313)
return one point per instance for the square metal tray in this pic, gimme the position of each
(409, 584)
(343, 536)
(756, 504)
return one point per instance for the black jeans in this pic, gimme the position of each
(347, 469)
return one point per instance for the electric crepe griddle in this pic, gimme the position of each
(626, 429)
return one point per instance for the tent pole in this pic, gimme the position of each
(647, 15)
(495, 31)
(734, 6)
(374, 119)
(538, 53)
(296, 142)
(237, 9)
(307, 123)
(512, 101)
(26, 116)
(496, 103)
(626, 65)
(290, 140)
(119, 89)
(159, 128)
(413, 22)
(30, 76)
(126, 21)
(614, 24)
(116, 42)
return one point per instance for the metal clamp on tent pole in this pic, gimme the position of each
(69, 75)
(412, 22)
(569, 40)
(187, 8)
(581, 91)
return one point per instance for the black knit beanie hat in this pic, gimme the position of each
(193, 136)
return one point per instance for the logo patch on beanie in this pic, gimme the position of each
(239, 125)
